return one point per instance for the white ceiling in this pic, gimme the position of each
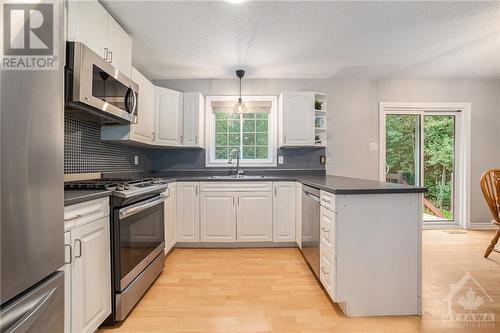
(303, 39)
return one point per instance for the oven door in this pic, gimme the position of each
(139, 238)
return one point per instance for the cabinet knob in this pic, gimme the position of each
(323, 269)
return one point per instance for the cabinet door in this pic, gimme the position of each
(284, 212)
(188, 212)
(120, 47)
(218, 217)
(143, 130)
(192, 120)
(255, 217)
(67, 281)
(88, 23)
(298, 214)
(170, 218)
(327, 231)
(297, 119)
(168, 105)
(90, 276)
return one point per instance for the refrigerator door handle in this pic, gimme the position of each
(23, 318)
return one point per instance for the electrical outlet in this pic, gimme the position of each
(136, 159)
(373, 146)
(280, 159)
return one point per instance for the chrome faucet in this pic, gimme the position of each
(231, 154)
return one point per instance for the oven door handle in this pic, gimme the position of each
(134, 209)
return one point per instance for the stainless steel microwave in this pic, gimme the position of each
(94, 86)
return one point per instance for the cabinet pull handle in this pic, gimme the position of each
(79, 248)
(180, 138)
(70, 254)
(238, 201)
(284, 138)
(110, 56)
(233, 201)
(275, 191)
(106, 53)
(74, 217)
(152, 136)
(196, 189)
(196, 139)
(324, 271)
(324, 229)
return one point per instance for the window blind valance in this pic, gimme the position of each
(252, 106)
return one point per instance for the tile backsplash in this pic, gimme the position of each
(85, 152)
(194, 159)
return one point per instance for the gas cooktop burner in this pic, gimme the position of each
(128, 186)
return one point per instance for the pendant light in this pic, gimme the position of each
(240, 107)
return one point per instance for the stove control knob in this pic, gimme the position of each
(119, 187)
(126, 187)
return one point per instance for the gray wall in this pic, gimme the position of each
(353, 117)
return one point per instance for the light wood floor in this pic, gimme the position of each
(264, 290)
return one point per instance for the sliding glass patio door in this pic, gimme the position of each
(420, 150)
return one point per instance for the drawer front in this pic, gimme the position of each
(328, 200)
(239, 186)
(327, 273)
(328, 231)
(85, 212)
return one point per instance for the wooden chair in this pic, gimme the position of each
(490, 185)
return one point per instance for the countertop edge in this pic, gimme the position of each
(85, 197)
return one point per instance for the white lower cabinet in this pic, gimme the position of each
(87, 269)
(327, 244)
(298, 214)
(188, 212)
(255, 217)
(284, 212)
(170, 216)
(236, 212)
(218, 217)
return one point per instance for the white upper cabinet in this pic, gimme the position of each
(218, 217)
(143, 131)
(168, 108)
(301, 124)
(91, 24)
(88, 24)
(188, 212)
(193, 120)
(120, 47)
(284, 212)
(255, 217)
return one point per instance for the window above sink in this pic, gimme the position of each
(252, 134)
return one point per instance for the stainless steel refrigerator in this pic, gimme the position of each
(32, 197)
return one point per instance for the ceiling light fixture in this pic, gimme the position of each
(240, 107)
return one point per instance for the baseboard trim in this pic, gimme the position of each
(482, 226)
(236, 245)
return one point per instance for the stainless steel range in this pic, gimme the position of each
(137, 238)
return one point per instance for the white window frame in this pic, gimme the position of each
(210, 160)
(462, 113)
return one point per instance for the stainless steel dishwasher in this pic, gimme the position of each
(310, 227)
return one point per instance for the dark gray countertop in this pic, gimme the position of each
(72, 197)
(333, 184)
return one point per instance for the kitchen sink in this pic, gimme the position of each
(237, 177)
